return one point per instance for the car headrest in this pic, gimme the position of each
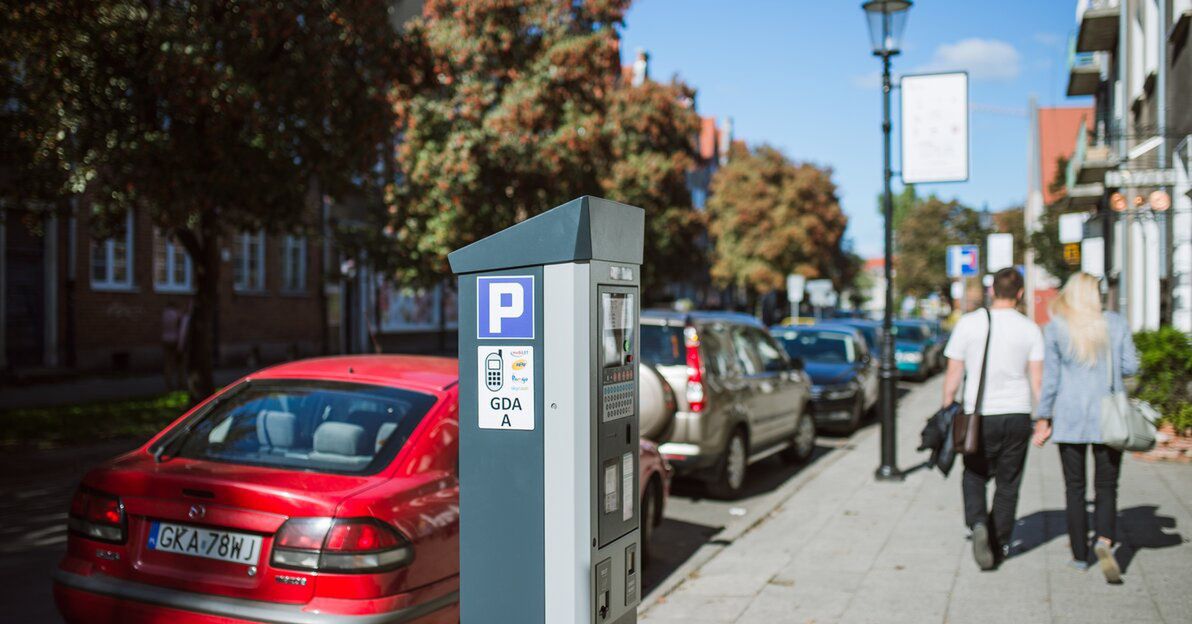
(383, 434)
(276, 429)
(341, 438)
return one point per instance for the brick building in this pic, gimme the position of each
(72, 301)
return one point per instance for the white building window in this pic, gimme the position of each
(293, 264)
(248, 262)
(111, 259)
(172, 271)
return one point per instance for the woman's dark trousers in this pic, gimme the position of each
(1107, 464)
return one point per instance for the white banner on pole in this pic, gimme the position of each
(1092, 256)
(999, 251)
(935, 128)
(794, 287)
(1072, 227)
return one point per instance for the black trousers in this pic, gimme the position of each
(1107, 465)
(1002, 456)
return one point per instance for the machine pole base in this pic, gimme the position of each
(889, 473)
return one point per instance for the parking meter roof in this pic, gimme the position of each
(585, 228)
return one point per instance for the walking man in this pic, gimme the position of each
(1014, 370)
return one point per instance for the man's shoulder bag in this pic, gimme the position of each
(966, 428)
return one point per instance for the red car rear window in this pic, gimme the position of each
(304, 425)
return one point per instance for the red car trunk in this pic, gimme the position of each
(222, 497)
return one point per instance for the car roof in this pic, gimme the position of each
(856, 322)
(425, 372)
(674, 317)
(839, 328)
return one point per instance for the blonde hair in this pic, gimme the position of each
(1079, 304)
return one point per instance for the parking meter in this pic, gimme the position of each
(548, 460)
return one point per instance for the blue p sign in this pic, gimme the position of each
(505, 307)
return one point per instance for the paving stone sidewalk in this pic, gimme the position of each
(845, 548)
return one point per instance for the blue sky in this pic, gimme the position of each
(798, 74)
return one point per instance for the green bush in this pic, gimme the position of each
(1165, 376)
(46, 427)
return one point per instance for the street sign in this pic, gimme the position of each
(963, 261)
(821, 293)
(1072, 254)
(957, 291)
(1117, 178)
(1072, 227)
(935, 128)
(1000, 247)
(794, 287)
(505, 307)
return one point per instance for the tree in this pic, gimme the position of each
(904, 201)
(922, 244)
(1045, 241)
(206, 117)
(527, 112)
(770, 217)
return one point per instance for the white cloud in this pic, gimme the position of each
(984, 59)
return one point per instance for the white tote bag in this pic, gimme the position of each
(1126, 424)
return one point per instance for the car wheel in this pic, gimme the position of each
(649, 513)
(733, 466)
(803, 444)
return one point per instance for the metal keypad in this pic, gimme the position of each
(618, 400)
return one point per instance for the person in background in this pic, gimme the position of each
(1015, 369)
(1082, 344)
(172, 321)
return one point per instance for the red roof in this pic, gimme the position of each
(1058, 128)
(873, 264)
(435, 373)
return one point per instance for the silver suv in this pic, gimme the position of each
(740, 397)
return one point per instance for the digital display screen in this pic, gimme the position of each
(618, 318)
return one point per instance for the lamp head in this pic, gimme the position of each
(887, 19)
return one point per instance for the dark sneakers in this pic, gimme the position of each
(1109, 564)
(982, 552)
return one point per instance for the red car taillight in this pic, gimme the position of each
(695, 371)
(97, 516)
(340, 545)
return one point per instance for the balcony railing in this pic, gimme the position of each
(1098, 21)
(1085, 175)
(1084, 71)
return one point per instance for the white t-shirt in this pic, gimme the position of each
(1016, 340)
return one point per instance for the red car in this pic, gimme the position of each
(316, 491)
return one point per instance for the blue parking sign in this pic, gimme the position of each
(505, 307)
(962, 261)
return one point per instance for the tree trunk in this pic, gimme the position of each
(200, 380)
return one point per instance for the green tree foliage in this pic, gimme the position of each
(1165, 377)
(205, 117)
(527, 111)
(769, 217)
(904, 202)
(922, 244)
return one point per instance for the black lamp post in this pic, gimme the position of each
(886, 19)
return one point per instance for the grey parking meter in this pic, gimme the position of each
(548, 459)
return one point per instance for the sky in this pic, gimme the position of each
(800, 75)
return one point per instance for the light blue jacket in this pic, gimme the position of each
(1072, 391)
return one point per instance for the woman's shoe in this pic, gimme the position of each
(1109, 564)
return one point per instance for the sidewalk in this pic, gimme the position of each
(845, 548)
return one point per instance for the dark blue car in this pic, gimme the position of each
(843, 373)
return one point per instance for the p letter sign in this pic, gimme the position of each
(505, 307)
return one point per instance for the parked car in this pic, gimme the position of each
(870, 330)
(914, 350)
(656, 403)
(314, 491)
(844, 375)
(653, 490)
(740, 397)
(934, 336)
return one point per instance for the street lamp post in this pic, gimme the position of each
(886, 20)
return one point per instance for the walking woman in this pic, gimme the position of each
(1086, 348)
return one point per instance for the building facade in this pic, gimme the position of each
(71, 300)
(1129, 168)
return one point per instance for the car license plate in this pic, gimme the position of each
(207, 543)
